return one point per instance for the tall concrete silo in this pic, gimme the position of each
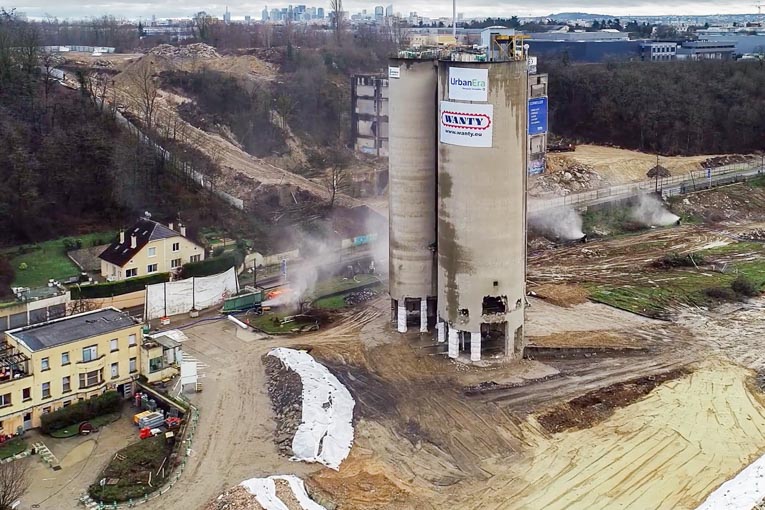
(412, 188)
(482, 157)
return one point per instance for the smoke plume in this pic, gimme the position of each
(652, 212)
(562, 223)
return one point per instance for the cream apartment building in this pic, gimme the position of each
(48, 366)
(146, 248)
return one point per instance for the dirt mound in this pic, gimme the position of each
(286, 391)
(595, 406)
(196, 50)
(731, 159)
(236, 498)
(562, 294)
(563, 176)
(587, 339)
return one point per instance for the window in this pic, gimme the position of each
(175, 263)
(67, 403)
(64, 358)
(46, 390)
(90, 379)
(151, 268)
(45, 364)
(66, 384)
(131, 340)
(195, 258)
(129, 273)
(132, 365)
(90, 353)
(114, 345)
(5, 400)
(26, 394)
(46, 410)
(155, 364)
(115, 370)
(152, 252)
(176, 246)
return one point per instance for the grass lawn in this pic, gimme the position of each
(676, 287)
(47, 260)
(132, 468)
(97, 422)
(12, 447)
(331, 303)
(337, 284)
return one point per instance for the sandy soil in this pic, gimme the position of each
(543, 318)
(620, 166)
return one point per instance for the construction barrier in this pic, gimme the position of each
(173, 298)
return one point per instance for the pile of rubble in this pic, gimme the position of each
(198, 50)
(571, 179)
(286, 391)
(730, 159)
(757, 234)
(362, 296)
(236, 498)
(106, 64)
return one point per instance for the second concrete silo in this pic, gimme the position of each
(412, 188)
(482, 204)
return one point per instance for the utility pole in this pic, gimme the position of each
(454, 20)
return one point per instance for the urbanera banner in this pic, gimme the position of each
(468, 84)
(465, 124)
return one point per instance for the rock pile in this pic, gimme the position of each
(286, 391)
(362, 296)
(236, 498)
(198, 50)
(757, 234)
(572, 178)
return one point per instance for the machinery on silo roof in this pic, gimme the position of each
(458, 161)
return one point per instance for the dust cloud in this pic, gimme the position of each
(652, 212)
(562, 223)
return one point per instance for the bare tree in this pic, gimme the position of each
(337, 178)
(336, 8)
(146, 91)
(14, 482)
(202, 24)
(80, 306)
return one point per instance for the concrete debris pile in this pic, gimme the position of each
(362, 296)
(278, 492)
(285, 389)
(197, 50)
(757, 234)
(730, 159)
(106, 64)
(236, 498)
(574, 177)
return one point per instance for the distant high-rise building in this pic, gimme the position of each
(264, 14)
(247, 19)
(379, 13)
(320, 13)
(227, 16)
(389, 10)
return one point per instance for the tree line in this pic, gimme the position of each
(672, 108)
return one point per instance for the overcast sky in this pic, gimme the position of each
(470, 8)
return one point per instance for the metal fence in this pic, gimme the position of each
(668, 186)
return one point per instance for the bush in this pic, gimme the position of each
(104, 290)
(213, 265)
(106, 403)
(677, 260)
(218, 251)
(721, 294)
(745, 287)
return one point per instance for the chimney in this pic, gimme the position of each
(170, 225)
(122, 237)
(133, 241)
(183, 230)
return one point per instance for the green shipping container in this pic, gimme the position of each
(243, 302)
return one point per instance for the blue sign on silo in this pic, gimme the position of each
(538, 116)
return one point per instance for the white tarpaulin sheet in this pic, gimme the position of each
(743, 492)
(264, 490)
(189, 372)
(173, 298)
(325, 433)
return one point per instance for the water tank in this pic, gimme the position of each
(482, 126)
(412, 185)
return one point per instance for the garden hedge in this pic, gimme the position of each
(109, 289)
(84, 410)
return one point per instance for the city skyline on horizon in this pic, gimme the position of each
(37, 9)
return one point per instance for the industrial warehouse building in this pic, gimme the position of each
(459, 135)
(51, 365)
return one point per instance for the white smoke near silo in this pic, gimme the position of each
(562, 223)
(652, 212)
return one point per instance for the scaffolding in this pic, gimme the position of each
(13, 364)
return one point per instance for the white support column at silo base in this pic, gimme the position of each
(475, 346)
(401, 317)
(424, 315)
(440, 333)
(454, 349)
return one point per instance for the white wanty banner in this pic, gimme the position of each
(465, 124)
(468, 84)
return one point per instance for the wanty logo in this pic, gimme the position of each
(479, 84)
(463, 120)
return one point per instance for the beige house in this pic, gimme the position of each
(51, 365)
(146, 248)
